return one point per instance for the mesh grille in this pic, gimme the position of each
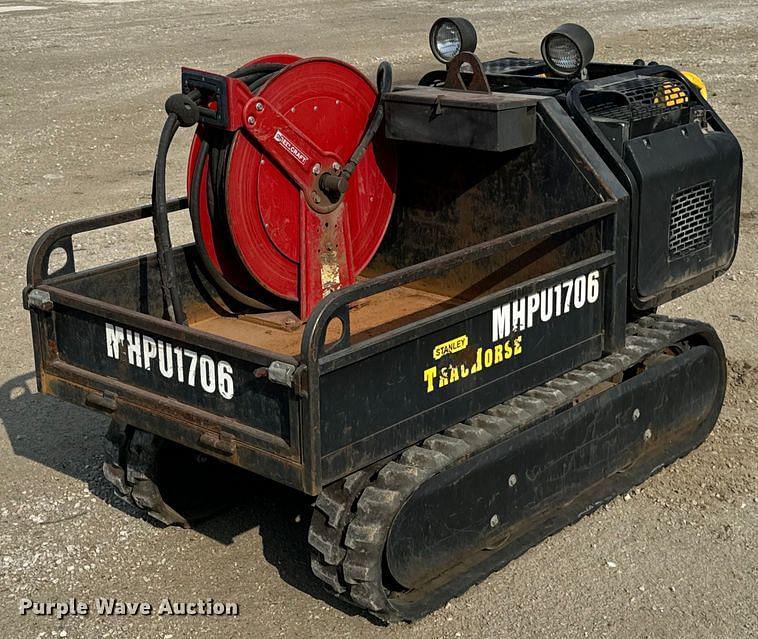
(505, 65)
(642, 97)
(691, 219)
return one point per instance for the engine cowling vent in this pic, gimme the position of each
(691, 220)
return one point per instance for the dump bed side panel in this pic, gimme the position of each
(101, 342)
(460, 365)
(189, 387)
(199, 377)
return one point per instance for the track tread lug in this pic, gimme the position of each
(513, 414)
(635, 352)
(368, 596)
(352, 484)
(449, 446)
(668, 327)
(531, 405)
(495, 426)
(376, 500)
(333, 506)
(551, 396)
(356, 572)
(400, 477)
(568, 387)
(619, 362)
(325, 539)
(602, 368)
(472, 435)
(642, 342)
(654, 333)
(581, 376)
(423, 458)
(328, 574)
(363, 535)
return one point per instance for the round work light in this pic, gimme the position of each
(449, 36)
(568, 49)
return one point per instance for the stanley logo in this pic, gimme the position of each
(453, 346)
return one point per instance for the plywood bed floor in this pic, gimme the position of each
(368, 317)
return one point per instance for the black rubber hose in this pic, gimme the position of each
(336, 185)
(254, 76)
(166, 263)
(261, 67)
(194, 200)
(383, 85)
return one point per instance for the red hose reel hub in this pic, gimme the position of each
(288, 237)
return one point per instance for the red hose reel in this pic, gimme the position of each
(277, 228)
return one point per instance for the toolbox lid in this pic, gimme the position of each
(459, 99)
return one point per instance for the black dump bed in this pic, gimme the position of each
(533, 238)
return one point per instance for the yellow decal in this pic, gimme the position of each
(453, 346)
(436, 377)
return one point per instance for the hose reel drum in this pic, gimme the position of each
(290, 191)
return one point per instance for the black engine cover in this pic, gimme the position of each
(689, 194)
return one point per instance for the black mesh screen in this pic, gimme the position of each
(691, 219)
(637, 99)
(508, 65)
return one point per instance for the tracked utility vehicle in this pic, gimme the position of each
(432, 307)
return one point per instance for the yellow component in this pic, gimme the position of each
(453, 346)
(671, 95)
(698, 82)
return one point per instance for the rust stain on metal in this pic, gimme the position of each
(332, 254)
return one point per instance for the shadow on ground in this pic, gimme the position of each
(69, 440)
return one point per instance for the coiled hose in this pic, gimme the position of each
(183, 110)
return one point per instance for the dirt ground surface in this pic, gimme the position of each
(83, 86)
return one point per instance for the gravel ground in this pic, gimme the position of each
(83, 86)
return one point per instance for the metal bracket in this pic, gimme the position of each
(220, 442)
(288, 375)
(213, 88)
(39, 300)
(299, 157)
(281, 373)
(107, 401)
(454, 80)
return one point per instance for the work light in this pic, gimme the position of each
(449, 36)
(568, 49)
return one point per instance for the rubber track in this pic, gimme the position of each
(353, 516)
